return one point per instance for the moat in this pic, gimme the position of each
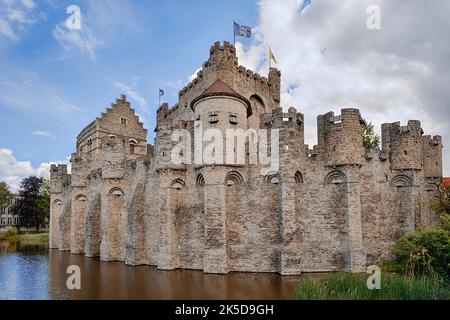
(33, 272)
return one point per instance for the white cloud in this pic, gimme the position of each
(9, 165)
(7, 31)
(194, 75)
(63, 105)
(41, 133)
(43, 170)
(13, 182)
(16, 16)
(132, 92)
(12, 171)
(104, 22)
(30, 4)
(329, 60)
(82, 40)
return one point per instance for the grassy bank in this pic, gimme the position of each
(25, 238)
(344, 286)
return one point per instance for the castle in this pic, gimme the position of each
(337, 206)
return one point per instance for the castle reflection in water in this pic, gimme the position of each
(37, 273)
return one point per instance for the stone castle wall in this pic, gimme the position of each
(336, 206)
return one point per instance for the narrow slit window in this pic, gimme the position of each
(233, 118)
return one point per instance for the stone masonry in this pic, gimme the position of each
(337, 206)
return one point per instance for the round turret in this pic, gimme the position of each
(222, 108)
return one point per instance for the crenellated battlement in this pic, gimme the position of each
(403, 144)
(433, 140)
(432, 156)
(340, 137)
(280, 119)
(58, 169)
(223, 64)
(222, 55)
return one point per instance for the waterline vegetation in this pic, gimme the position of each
(345, 286)
(419, 270)
(30, 238)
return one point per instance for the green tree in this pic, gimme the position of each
(44, 200)
(370, 139)
(27, 203)
(5, 195)
(441, 207)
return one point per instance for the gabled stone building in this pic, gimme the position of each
(336, 206)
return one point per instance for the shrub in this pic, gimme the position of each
(11, 234)
(34, 238)
(425, 252)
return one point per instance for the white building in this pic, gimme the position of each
(7, 217)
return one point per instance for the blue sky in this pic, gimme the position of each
(54, 81)
(49, 91)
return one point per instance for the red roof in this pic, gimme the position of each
(219, 87)
(446, 181)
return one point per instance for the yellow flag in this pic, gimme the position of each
(271, 56)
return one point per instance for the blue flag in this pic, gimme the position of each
(304, 5)
(242, 31)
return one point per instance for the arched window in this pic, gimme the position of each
(335, 177)
(257, 104)
(401, 180)
(133, 144)
(123, 121)
(431, 187)
(117, 192)
(200, 181)
(57, 202)
(177, 184)
(234, 178)
(272, 179)
(298, 178)
(81, 198)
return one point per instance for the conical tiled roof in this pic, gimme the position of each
(220, 88)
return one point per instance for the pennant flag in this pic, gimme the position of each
(304, 5)
(271, 56)
(242, 31)
(161, 93)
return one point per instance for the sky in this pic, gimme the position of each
(54, 80)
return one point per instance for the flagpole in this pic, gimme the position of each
(270, 62)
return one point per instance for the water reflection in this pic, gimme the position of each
(34, 272)
(23, 271)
